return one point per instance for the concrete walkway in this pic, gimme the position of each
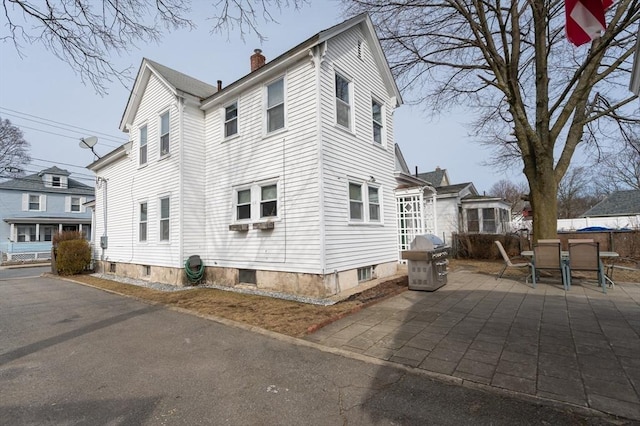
(580, 347)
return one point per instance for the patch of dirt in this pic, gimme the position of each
(283, 316)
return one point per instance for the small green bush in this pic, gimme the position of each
(73, 256)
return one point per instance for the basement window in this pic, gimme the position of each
(112, 267)
(147, 270)
(247, 276)
(364, 274)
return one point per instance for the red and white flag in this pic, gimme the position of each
(585, 19)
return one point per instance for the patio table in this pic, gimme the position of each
(565, 257)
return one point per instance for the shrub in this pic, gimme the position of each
(73, 256)
(58, 237)
(482, 246)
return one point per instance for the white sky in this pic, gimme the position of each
(46, 88)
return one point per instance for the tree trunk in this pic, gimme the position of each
(543, 198)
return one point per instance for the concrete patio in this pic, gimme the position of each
(580, 347)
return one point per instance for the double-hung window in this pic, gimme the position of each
(26, 233)
(75, 204)
(257, 201)
(376, 112)
(343, 101)
(34, 202)
(269, 201)
(355, 202)
(55, 181)
(142, 235)
(143, 145)
(243, 204)
(374, 204)
(364, 202)
(275, 105)
(231, 120)
(164, 218)
(164, 133)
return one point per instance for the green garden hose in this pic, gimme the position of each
(193, 276)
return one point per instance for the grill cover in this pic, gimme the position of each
(426, 242)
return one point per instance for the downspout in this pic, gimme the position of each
(181, 177)
(317, 56)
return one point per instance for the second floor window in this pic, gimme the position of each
(343, 102)
(275, 105)
(34, 202)
(75, 204)
(376, 112)
(231, 120)
(164, 133)
(143, 145)
(143, 222)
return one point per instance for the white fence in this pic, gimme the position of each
(617, 222)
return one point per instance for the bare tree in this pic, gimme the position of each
(536, 97)
(84, 33)
(511, 192)
(619, 170)
(13, 150)
(576, 193)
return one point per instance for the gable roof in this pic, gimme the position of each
(454, 189)
(619, 203)
(438, 177)
(303, 49)
(34, 183)
(54, 171)
(175, 81)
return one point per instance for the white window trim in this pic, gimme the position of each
(236, 190)
(140, 163)
(351, 85)
(26, 201)
(160, 219)
(256, 201)
(224, 120)
(364, 190)
(383, 129)
(160, 134)
(265, 102)
(146, 240)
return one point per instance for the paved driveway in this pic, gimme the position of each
(581, 347)
(72, 355)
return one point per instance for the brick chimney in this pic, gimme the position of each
(257, 60)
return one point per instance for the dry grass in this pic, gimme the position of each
(289, 317)
(283, 316)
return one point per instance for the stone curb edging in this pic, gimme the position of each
(440, 377)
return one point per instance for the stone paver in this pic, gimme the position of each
(580, 347)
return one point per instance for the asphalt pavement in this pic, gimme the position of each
(71, 354)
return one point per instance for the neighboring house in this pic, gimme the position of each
(621, 209)
(37, 206)
(459, 208)
(283, 179)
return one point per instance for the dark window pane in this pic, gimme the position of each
(269, 208)
(244, 211)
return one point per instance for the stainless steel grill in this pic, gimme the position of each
(428, 260)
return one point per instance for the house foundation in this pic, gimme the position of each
(294, 283)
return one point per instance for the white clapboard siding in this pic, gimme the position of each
(129, 184)
(289, 156)
(353, 155)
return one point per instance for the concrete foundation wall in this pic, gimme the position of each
(300, 284)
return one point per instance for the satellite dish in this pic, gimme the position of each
(88, 143)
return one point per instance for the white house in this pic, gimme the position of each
(460, 209)
(283, 179)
